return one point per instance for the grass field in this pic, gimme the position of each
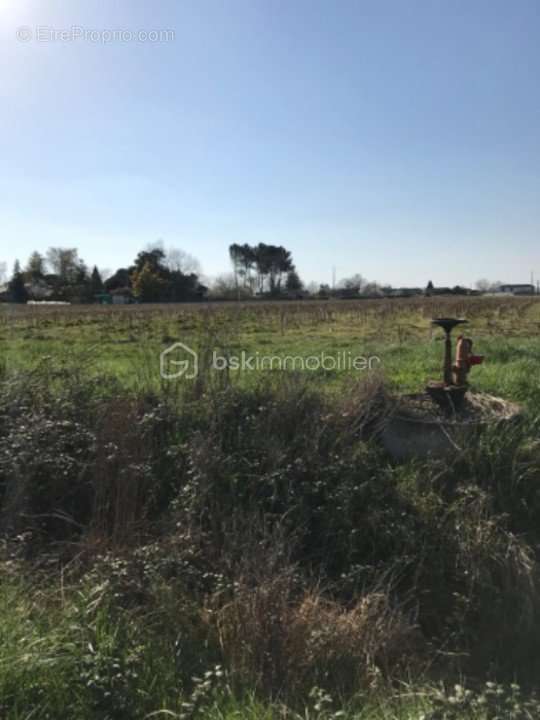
(239, 544)
(127, 341)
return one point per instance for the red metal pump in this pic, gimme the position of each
(464, 360)
(449, 394)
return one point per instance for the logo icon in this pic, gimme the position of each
(24, 33)
(178, 361)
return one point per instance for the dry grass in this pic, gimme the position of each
(283, 642)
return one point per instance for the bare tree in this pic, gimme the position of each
(64, 262)
(176, 259)
(483, 285)
(3, 272)
(225, 286)
(179, 260)
(372, 289)
(355, 282)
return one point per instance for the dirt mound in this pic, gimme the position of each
(476, 408)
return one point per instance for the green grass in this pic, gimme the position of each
(127, 342)
(66, 650)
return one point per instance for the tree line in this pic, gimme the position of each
(156, 275)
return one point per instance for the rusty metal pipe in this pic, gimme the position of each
(447, 370)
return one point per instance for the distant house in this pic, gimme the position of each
(519, 289)
(103, 298)
(121, 296)
(48, 302)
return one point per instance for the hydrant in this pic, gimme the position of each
(450, 393)
(464, 360)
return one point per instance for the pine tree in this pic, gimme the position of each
(35, 267)
(294, 284)
(16, 290)
(96, 281)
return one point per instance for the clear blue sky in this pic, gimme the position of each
(400, 140)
